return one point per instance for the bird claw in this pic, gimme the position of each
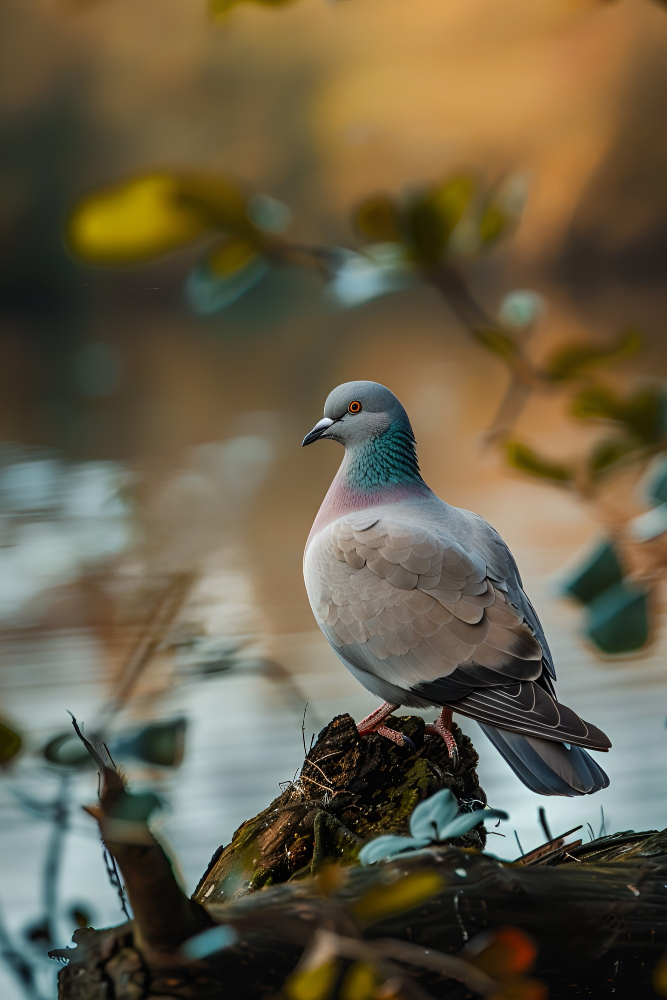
(391, 734)
(438, 728)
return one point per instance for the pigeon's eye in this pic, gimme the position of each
(354, 407)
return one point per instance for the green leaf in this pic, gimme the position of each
(492, 224)
(10, 743)
(224, 277)
(433, 215)
(619, 619)
(377, 218)
(601, 571)
(640, 413)
(496, 341)
(520, 456)
(573, 360)
(605, 454)
(67, 750)
(161, 743)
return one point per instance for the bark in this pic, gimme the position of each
(597, 911)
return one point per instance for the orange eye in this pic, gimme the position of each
(354, 407)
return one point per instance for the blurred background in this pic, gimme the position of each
(162, 354)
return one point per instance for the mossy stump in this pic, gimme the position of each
(351, 789)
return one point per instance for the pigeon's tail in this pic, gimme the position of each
(548, 767)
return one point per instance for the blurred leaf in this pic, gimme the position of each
(10, 743)
(503, 953)
(219, 9)
(520, 456)
(269, 214)
(379, 270)
(377, 218)
(210, 941)
(360, 982)
(135, 807)
(521, 308)
(495, 341)
(146, 216)
(312, 984)
(651, 524)
(80, 916)
(328, 878)
(618, 619)
(576, 359)
(432, 216)
(655, 487)
(641, 412)
(492, 224)
(660, 976)
(67, 750)
(605, 454)
(161, 743)
(224, 277)
(601, 571)
(408, 892)
(522, 988)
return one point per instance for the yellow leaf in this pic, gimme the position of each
(231, 257)
(452, 198)
(359, 983)
(146, 216)
(660, 976)
(408, 892)
(219, 9)
(312, 984)
(328, 878)
(492, 224)
(377, 218)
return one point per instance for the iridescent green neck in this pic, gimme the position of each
(390, 459)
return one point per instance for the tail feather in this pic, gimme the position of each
(546, 766)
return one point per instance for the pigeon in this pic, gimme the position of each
(424, 604)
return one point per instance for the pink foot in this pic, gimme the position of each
(441, 727)
(373, 724)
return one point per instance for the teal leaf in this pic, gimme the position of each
(207, 292)
(161, 743)
(619, 619)
(269, 214)
(433, 814)
(360, 277)
(134, 806)
(651, 524)
(467, 821)
(210, 941)
(601, 571)
(521, 308)
(655, 487)
(386, 847)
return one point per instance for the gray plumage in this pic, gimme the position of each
(424, 604)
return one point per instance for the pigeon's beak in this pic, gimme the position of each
(318, 430)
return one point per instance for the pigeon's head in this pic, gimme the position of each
(358, 411)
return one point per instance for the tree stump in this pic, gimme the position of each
(597, 912)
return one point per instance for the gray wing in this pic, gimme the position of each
(438, 620)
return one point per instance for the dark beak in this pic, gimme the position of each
(318, 430)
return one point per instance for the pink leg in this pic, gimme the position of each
(373, 724)
(376, 718)
(442, 727)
